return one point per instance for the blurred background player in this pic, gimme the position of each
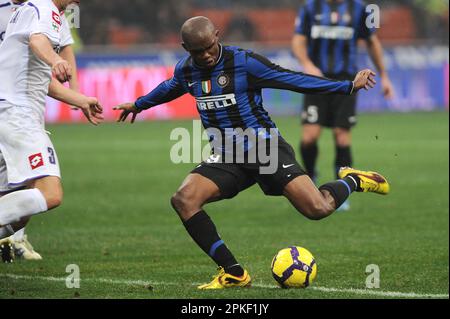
(325, 44)
(29, 170)
(22, 247)
(211, 73)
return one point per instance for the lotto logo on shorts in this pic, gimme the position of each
(36, 161)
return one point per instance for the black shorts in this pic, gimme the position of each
(233, 178)
(331, 110)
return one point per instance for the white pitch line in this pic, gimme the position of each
(391, 294)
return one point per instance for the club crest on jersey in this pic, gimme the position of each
(36, 161)
(334, 17)
(206, 86)
(223, 80)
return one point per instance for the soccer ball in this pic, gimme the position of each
(294, 267)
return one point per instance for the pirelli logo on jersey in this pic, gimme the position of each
(332, 32)
(216, 102)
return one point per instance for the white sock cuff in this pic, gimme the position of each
(39, 198)
(19, 235)
(20, 204)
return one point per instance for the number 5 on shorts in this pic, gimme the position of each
(312, 114)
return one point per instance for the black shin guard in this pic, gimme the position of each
(204, 233)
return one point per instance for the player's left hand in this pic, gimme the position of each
(365, 79)
(92, 110)
(127, 109)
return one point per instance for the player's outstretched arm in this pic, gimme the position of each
(376, 53)
(265, 74)
(89, 105)
(42, 48)
(365, 79)
(165, 92)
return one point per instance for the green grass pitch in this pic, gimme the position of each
(117, 225)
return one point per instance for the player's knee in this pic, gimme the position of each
(183, 201)
(309, 140)
(51, 189)
(53, 196)
(342, 137)
(54, 199)
(177, 202)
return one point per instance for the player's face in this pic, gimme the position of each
(206, 52)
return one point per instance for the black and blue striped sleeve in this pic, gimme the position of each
(165, 92)
(265, 74)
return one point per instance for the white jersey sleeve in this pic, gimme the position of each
(49, 23)
(66, 36)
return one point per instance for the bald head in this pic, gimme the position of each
(197, 30)
(200, 39)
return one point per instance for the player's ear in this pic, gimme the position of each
(184, 46)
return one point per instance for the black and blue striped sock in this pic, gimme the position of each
(341, 189)
(204, 233)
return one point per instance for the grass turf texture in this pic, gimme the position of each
(117, 225)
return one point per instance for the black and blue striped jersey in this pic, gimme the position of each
(229, 95)
(333, 29)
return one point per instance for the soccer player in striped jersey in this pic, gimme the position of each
(325, 43)
(227, 83)
(22, 246)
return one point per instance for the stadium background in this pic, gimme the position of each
(125, 49)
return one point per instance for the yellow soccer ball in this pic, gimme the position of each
(294, 267)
